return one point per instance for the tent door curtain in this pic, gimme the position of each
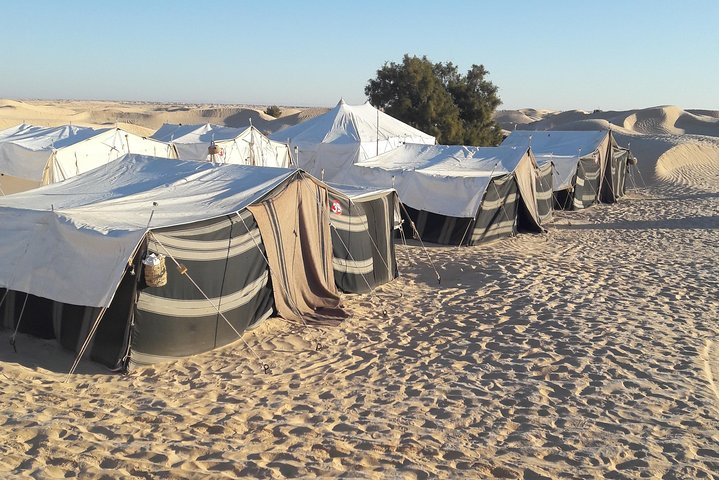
(294, 224)
(362, 242)
(497, 216)
(587, 183)
(615, 176)
(70, 324)
(224, 257)
(544, 192)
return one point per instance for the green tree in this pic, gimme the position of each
(437, 99)
(273, 111)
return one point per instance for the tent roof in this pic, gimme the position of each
(444, 179)
(449, 160)
(120, 195)
(346, 124)
(71, 241)
(356, 192)
(558, 143)
(207, 133)
(562, 148)
(35, 138)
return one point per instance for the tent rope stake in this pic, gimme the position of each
(183, 271)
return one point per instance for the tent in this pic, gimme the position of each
(218, 144)
(589, 166)
(363, 221)
(458, 195)
(328, 144)
(31, 156)
(246, 240)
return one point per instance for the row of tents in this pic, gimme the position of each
(462, 195)
(244, 238)
(31, 156)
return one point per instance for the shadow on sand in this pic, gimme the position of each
(38, 354)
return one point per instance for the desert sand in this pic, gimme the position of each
(591, 351)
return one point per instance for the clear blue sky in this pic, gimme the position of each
(609, 54)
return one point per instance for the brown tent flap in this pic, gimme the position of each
(296, 233)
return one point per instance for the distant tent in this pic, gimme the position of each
(363, 221)
(328, 144)
(589, 166)
(459, 195)
(71, 257)
(218, 144)
(31, 156)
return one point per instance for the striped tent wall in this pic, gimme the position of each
(225, 258)
(362, 242)
(497, 216)
(585, 193)
(615, 175)
(544, 192)
(587, 183)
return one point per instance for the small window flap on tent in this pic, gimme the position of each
(295, 231)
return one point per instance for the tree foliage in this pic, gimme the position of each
(439, 100)
(273, 111)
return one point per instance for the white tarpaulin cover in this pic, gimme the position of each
(25, 149)
(31, 156)
(71, 241)
(564, 149)
(242, 146)
(445, 179)
(345, 135)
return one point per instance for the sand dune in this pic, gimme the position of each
(591, 351)
(649, 121)
(145, 118)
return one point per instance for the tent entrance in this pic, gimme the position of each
(70, 324)
(295, 230)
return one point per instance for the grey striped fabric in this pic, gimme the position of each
(544, 192)
(587, 183)
(497, 217)
(224, 257)
(362, 241)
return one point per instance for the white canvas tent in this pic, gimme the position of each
(345, 135)
(31, 156)
(458, 194)
(589, 166)
(241, 146)
(70, 259)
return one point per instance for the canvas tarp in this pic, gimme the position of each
(458, 194)
(242, 146)
(328, 144)
(71, 242)
(363, 221)
(588, 165)
(31, 156)
(448, 180)
(295, 230)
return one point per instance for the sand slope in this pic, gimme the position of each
(650, 121)
(145, 118)
(589, 352)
